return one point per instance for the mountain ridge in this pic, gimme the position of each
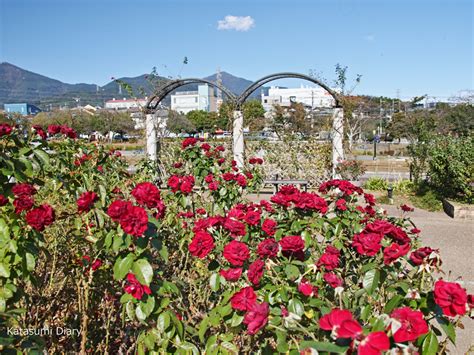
(21, 85)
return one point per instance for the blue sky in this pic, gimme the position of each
(417, 47)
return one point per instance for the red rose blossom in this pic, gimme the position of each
(307, 289)
(412, 324)
(23, 189)
(406, 208)
(231, 274)
(256, 317)
(292, 243)
(269, 226)
(5, 129)
(54, 129)
(268, 248)
(235, 228)
(243, 299)
(118, 208)
(201, 244)
(333, 320)
(450, 297)
(189, 142)
(173, 182)
(23, 203)
(333, 280)
(367, 243)
(146, 194)
(40, 217)
(134, 221)
(394, 251)
(422, 255)
(252, 218)
(330, 261)
(341, 204)
(236, 253)
(374, 344)
(86, 201)
(255, 271)
(3, 200)
(135, 288)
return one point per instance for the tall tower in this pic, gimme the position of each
(219, 92)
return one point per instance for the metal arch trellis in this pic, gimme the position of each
(159, 95)
(266, 79)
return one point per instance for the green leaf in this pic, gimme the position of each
(448, 329)
(30, 262)
(163, 321)
(236, 320)
(42, 156)
(323, 346)
(215, 282)
(292, 272)
(122, 266)
(430, 344)
(143, 271)
(295, 306)
(371, 281)
(203, 326)
(393, 303)
(4, 270)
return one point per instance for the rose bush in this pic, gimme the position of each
(195, 267)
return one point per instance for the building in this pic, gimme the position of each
(202, 99)
(24, 109)
(311, 97)
(125, 104)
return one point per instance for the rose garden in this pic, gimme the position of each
(192, 265)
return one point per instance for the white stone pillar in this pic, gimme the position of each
(151, 137)
(337, 138)
(238, 138)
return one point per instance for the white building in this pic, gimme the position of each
(202, 99)
(125, 104)
(311, 97)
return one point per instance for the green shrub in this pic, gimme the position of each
(404, 186)
(451, 167)
(376, 184)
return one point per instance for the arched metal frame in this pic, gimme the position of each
(169, 87)
(266, 79)
(160, 94)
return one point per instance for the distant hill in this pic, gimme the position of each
(20, 85)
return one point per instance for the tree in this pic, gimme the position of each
(290, 120)
(179, 123)
(254, 115)
(201, 120)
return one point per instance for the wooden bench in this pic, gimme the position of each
(277, 182)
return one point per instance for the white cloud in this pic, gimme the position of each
(369, 37)
(238, 23)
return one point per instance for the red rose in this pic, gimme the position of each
(341, 204)
(189, 142)
(252, 161)
(39, 131)
(161, 209)
(333, 320)
(370, 199)
(23, 203)
(236, 253)
(422, 255)
(330, 261)
(399, 235)
(23, 189)
(220, 148)
(243, 299)
(173, 183)
(367, 243)
(269, 226)
(5, 129)
(3, 200)
(333, 280)
(412, 324)
(228, 176)
(221, 161)
(374, 344)
(206, 147)
(415, 231)
(307, 289)
(252, 218)
(213, 186)
(146, 194)
(406, 208)
(394, 251)
(118, 208)
(134, 221)
(201, 244)
(178, 165)
(86, 200)
(268, 248)
(451, 298)
(135, 288)
(255, 271)
(256, 317)
(96, 264)
(187, 184)
(231, 274)
(68, 131)
(235, 228)
(350, 328)
(40, 217)
(209, 178)
(292, 243)
(54, 129)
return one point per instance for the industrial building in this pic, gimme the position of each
(24, 109)
(202, 99)
(311, 97)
